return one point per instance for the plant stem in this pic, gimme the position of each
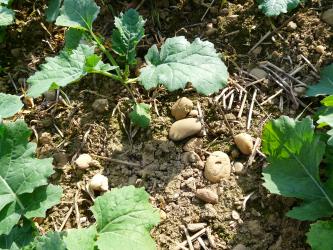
(104, 73)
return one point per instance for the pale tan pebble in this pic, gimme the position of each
(193, 113)
(258, 73)
(300, 90)
(99, 183)
(194, 227)
(238, 167)
(207, 195)
(235, 215)
(244, 142)
(184, 128)
(217, 166)
(292, 25)
(83, 161)
(181, 108)
(194, 144)
(100, 105)
(320, 49)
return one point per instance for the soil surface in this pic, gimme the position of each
(246, 213)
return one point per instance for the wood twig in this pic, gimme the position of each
(192, 238)
(249, 118)
(188, 237)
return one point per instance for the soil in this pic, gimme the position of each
(67, 129)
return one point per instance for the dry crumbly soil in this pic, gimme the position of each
(69, 129)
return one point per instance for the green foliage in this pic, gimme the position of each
(64, 69)
(6, 16)
(83, 239)
(140, 115)
(320, 235)
(325, 85)
(53, 10)
(326, 117)
(9, 105)
(73, 38)
(179, 62)
(78, 14)
(23, 178)
(50, 241)
(127, 34)
(277, 7)
(294, 152)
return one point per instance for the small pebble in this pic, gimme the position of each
(207, 195)
(299, 91)
(83, 161)
(244, 142)
(240, 247)
(184, 128)
(100, 105)
(194, 113)
(328, 16)
(217, 166)
(320, 49)
(238, 167)
(258, 73)
(235, 215)
(292, 25)
(181, 108)
(195, 227)
(99, 183)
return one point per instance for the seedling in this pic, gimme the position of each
(177, 63)
(277, 7)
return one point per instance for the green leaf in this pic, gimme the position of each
(73, 38)
(325, 85)
(18, 237)
(6, 16)
(9, 105)
(68, 67)
(326, 117)
(83, 239)
(23, 178)
(124, 218)
(53, 10)
(294, 154)
(78, 14)
(277, 7)
(320, 235)
(328, 101)
(94, 64)
(179, 62)
(50, 241)
(127, 34)
(140, 115)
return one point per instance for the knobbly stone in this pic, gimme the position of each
(207, 195)
(184, 128)
(238, 167)
(258, 73)
(194, 144)
(83, 161)
(240, 247)
(100, 105)
(194, 113)
(292, 25)
(195, 227)
(217, 166)
(99, 183)
(181, 108)
(328, 16)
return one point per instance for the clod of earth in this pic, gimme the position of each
(83, 161)
(184, 128)
(328, 16)
(217, 166)
(194, 144)
(100, 105)
(244, 142)
(99, 183)
(207, 195)
(181, 108)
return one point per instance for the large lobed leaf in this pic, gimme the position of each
(127, 34)
(325, 85)
(53, 10)
(294, 153)
(320, 235)
(124, 217)
(277, 7)
(9, 105)
(61, 70)
(326, 117)
(23, 178)
(6, 16)
(78, 14)
(179, 62)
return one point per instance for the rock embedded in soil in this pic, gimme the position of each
(207, 195)
(60, 159)
(181, 108)
(238, 167)
(258, 73)
(100, 105)
(83, 161)
(328, 16)
(184, 128)
(193, 113)
(217, 166)
(244, 142)
(99, 183)
(320, 49)
(194, 227)
(194, 144)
